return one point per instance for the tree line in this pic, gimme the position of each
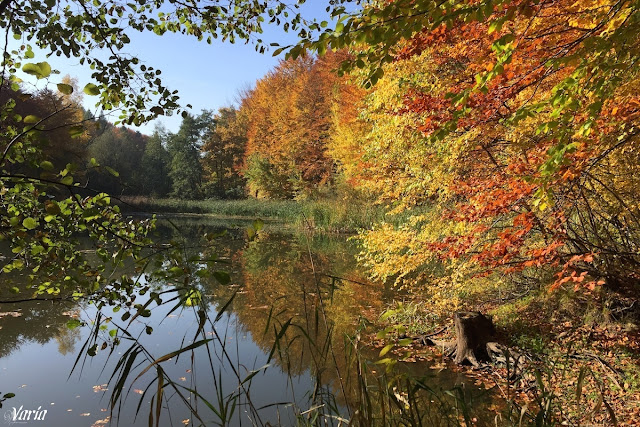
(201, 160)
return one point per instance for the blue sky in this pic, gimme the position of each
(206, 76)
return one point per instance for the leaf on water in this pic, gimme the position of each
(101, 422)
(99, 388)
(10, 313)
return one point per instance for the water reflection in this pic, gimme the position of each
(292, 301)
(36, 322)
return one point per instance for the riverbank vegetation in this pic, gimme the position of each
(323, 215)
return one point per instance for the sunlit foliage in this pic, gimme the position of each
(514, 123)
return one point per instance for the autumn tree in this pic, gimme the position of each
(290, 119)
(510, 122)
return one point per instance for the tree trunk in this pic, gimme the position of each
(473, 332)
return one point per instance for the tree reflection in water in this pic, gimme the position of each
(284, 306)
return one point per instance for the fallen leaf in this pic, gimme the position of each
(99, 388)
(101, 422)
(11, 313)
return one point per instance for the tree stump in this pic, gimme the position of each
(473, 332)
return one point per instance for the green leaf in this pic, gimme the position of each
(65, 88)
(112, 171)
(386, 349)
(157, 110)
(41, 70)
(46, 165)
(258, 224)
(251, 233)
(405, 342)
(29, 223)
(93, 350)
(31, 119)
(222, 277)
(76, 131)
(73, 323)
(91, 89)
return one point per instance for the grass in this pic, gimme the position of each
(328, 215)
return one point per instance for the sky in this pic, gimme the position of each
(206, 76)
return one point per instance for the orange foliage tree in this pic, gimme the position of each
(289, 116)
(508, 128)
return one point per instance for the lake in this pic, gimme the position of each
(278, 346)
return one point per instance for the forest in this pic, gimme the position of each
(496, 141)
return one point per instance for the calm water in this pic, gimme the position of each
(274, 285)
